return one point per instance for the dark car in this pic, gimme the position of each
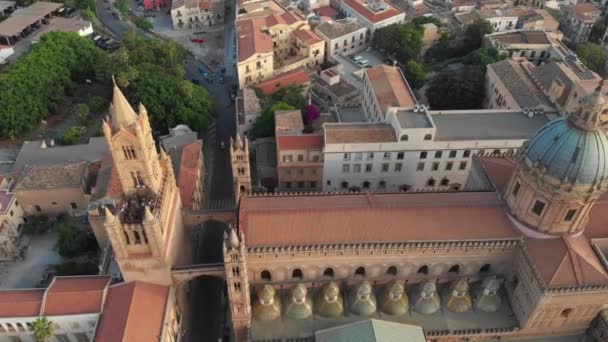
(221, 79)
(195, 81)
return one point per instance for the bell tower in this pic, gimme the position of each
(239, 158)
(561, 172)
(237, 284)
(144, 226)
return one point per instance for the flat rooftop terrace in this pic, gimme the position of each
(411, 119)
(485, 125)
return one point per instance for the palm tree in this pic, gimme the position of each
(43, 329)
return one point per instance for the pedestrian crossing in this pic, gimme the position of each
(211, 132)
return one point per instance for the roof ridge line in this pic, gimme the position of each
(576, 266)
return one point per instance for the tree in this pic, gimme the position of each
(475, 32)
(461, 89)
(401, 41)
(97, 104)
(593, 56)
(291, 95)
(312, 114)
(123, 7)
(597, 32)
(264, 124)
(484, 56)
(88, 14)
(66, 240)
(82, 112)
(143, 23)
(33, 86)
(44, 330)
(72, 135)
(415, 74)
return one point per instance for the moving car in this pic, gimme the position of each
(197, 40)
(222, 145)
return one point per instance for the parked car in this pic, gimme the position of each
(369, 49)
(357, 58)
(197, 40)
(116, 15)
(363, 62)
(201, 71)
(195, 81)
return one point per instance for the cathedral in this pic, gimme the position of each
(527, 257)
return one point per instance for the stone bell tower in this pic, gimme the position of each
(237, 284)
(560, 173)
(239, 158)
(144, 226)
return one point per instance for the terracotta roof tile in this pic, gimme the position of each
(21, 303)
(300, 142)
(498, 170)
(75, 295)
(585, 11)
(390, 87)
(353, 133)
(133, 312)
(352, 218)
(192, 155)
(371, 15)
(50, 177)
(251, 39)
(295, 77)
(326, 11)
(307, 37)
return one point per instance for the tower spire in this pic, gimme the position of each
(121, 111)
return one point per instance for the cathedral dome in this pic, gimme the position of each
(569, 154)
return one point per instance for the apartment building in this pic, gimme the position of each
(11, 219)
(272, 41)
(509, 85)
(420, 149)
(578, 21)
(385, 88)
(248, 109)
(536, 46)
(189, 14)
(344, 36)
(372, 14)
(299, 154)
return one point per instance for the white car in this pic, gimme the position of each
(363, 62)
(369, 48)
(357, 58)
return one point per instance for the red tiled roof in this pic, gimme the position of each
(308, 37)
(251, 39)
(371, 15)
(295, 77)
(133, 312)
(352, 218)
(326, 11)
(300, 142)
(21, 303)
(499, 170)
(75, 295)
(285, 18)
(390, 87)
(192, 155)
(204, 5)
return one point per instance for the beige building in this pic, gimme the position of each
(535, 46)
(273, 41)
(195, 14)
(372, 14)
(385, 87)
(578, 21)
(299, 154)
(510, 86)
(56, 189)
(11, 220)
(343, 36)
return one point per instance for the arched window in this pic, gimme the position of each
(392, 270)
(430, 182)
(126, 237)
(485, 268)
(266, 275)
(360, 271)
(423, 270)
(428, 137)
(140, 179)
(566, 313)
(404, 137)
(454, 269)
(445, 182)
(296, 274)
(366, 185)
(137, 237)
(329, 272)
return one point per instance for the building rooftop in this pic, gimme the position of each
(521, 37)
(75, 295)
(42, 8)
(390, 87)
(187, 158)
(374, 11)
(250, 38)
(294, 77)
(6, 4)
(519, 84)
(548, 73)
(15, 24)
(32, 154)
(339, 27)
(288, 122)
(307, 37)
(357, 218)
(411, 119)
(52, 177)
(359, 133)
(586, 11)
(60, 24)
(371, 330)
(178, 136)
(21, 303)
(133, 312)
(485, 125)
(300, 142)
